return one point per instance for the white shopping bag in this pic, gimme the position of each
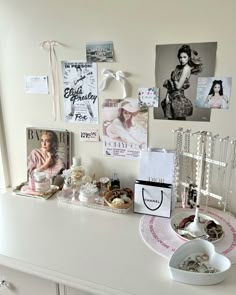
(152, 198)
(158, 165)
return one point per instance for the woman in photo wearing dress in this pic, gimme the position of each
(46, 157)
(216, 98)
(175, 105)
(121, 127)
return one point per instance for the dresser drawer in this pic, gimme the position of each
(16, 282)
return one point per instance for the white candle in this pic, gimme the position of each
(76, 161)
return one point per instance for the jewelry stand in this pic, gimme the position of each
(206, 145)
(195, 228)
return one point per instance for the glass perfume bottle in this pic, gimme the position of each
(41, 182)
(115, 182)
(104, 181)
(104, 185)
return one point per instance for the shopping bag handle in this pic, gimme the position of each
(159, 205)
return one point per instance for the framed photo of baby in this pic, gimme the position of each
(177, 69)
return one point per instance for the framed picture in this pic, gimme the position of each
(213, 92)
(48, 150)
(124, 128)
(177, 68)
(80, 92)
(100, 52)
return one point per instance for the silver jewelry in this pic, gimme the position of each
(178, 144)
(232, 166)
(198, 263)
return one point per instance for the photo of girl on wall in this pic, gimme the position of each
(124, 128)
(213, 92)
(177, 68)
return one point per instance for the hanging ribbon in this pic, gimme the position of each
(119, 76)
(50, 45)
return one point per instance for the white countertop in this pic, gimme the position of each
(98, 251)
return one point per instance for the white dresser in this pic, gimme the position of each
(47, 248)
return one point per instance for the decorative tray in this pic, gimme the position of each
(24, 190)
(213, 234)
(73, 200)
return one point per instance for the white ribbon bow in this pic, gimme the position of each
(119, 76)
(50, 45)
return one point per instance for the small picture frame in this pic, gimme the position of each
(100, 51)
(148, 97)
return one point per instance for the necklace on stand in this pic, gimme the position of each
(222, 169)
(195, 228)
(210, 153)
(185, 169)
(231, 168)
(199, 225)
(178, 146)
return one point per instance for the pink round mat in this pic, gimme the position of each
(161, 238)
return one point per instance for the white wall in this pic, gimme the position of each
(135, 27)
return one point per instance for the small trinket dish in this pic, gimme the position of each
(197, 263)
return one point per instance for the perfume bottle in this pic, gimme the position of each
(41, 182)
(104, 181)
(115, 182)
(31, 181)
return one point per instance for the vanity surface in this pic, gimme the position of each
(87, 249)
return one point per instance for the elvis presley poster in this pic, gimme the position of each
(80, 92)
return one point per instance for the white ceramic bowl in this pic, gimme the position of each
(190, 248)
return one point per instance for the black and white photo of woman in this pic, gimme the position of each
(177, 68)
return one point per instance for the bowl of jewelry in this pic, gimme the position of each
(197, 263)
(119, 198)
(212, 231)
